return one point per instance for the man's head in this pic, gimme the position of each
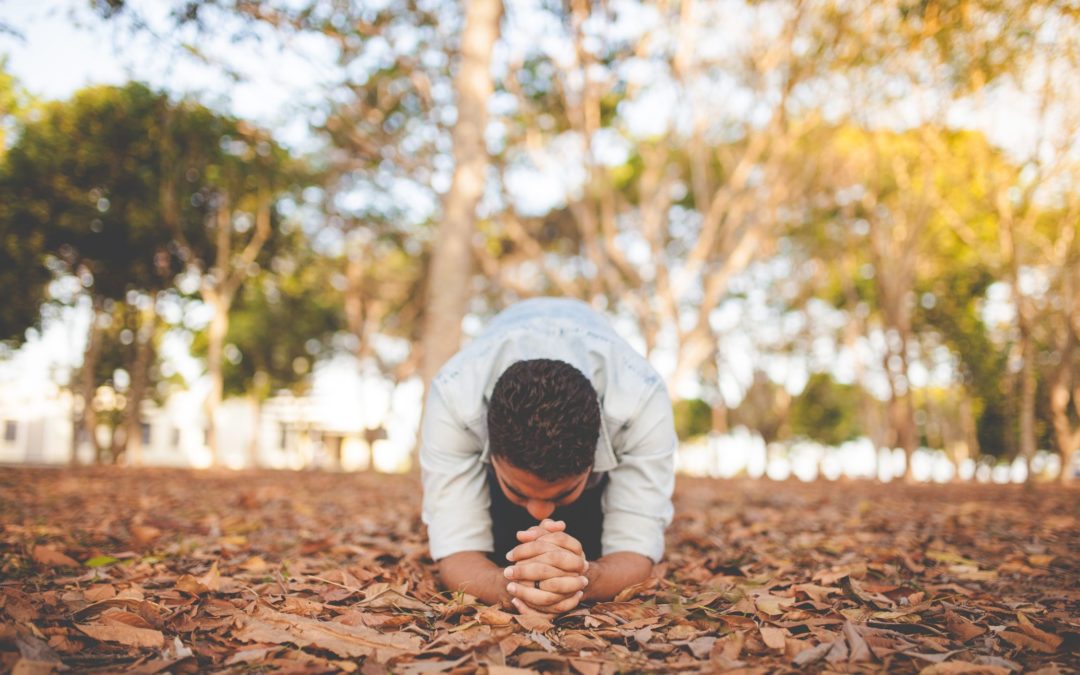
(543, 424)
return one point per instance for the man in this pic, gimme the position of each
(548, 443)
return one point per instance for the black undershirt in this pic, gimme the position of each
(584, 518)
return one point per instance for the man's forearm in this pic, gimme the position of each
(612, 573)
(473, 573)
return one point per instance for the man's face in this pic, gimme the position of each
(537, 496)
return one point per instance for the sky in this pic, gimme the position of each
(64, 47)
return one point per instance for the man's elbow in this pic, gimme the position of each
(640, 567)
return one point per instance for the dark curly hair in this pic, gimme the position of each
(544, 417)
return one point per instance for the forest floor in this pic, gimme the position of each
(155, 570)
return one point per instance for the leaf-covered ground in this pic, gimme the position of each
(166, 570)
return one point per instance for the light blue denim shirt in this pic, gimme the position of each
(637, 440)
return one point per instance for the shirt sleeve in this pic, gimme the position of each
(456, 501)
(637, 501)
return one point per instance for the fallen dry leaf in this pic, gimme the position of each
(347, 641)
(963, 668)
(46, 555)
(534, 622)
(124, 634)
(490, 616)
(318, 572)
(774, 638)
(1029, 642)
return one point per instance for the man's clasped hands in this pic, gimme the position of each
(548, 571)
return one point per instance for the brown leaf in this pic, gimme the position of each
(527, 659)
(961, 628)
(301, 606)
(962, 668)
(419, 667)
(730, 646)
(536, 622)
(580, 641)
(99, 593)
(389, 598)
(773, 637)
(682, 631)
(33, 648)
(1041, 560)
(628, 611)
(49, 556)
(643, 635)
(912, 566)
(815, 592)
(345, 641)
(812, 655)
(255, 563)
(833, 574)
(125, 635)
(120, 617)
(492, 616)
(250, 655)
(105, 605)
(375, 620)
(26, 666)
(773, 605)
(65, 645)
(190, 584)
(511, 643)
(212, 579)
(1049, 639)
(858, 650)
(793, 647)
(144, 534)
(701, 647)
(839, 651)
(509, 670)
(1028, 642)
(586, 667)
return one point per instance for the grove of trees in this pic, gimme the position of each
(884, 196)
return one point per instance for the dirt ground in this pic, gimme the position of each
(156, 570)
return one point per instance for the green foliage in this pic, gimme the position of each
(283, 321)
(82, 184)
(765, 408)
(693, 418)
(24, 278)
(954, 314)
(15, 104)
(22, 270)
(826, 411)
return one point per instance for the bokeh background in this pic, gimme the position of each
(246, 233)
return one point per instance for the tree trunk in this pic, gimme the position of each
(144, 348)
(719, 416)
(1027, 398)
(117, 443)
(1011, 255)
(89, 381)
(903, 430)
(1067, 438)
(451, 265)
(254, 448)
(216, 332)
(907, 430)
(902, 421)
(76, 426)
